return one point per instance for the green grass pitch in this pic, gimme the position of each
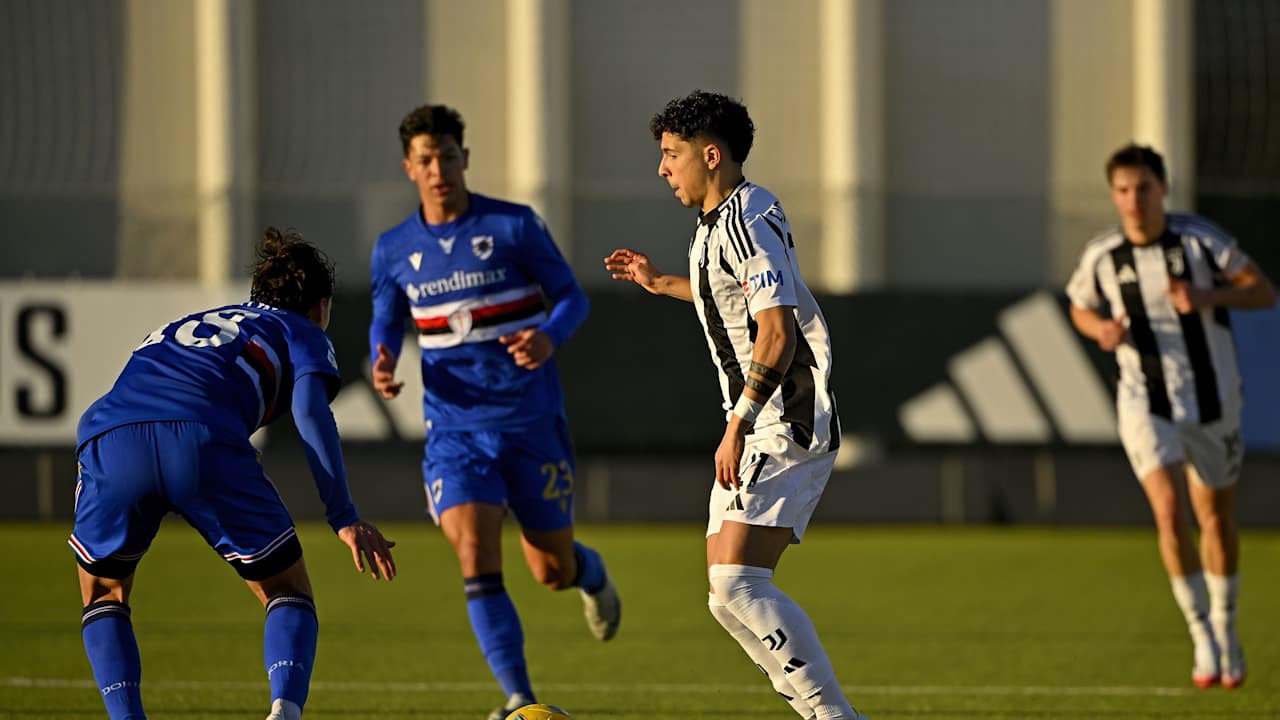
(935, 623)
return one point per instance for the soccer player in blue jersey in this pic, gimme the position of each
(172, 435)
(476, 275)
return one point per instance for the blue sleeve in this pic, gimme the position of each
(319, 434)
(548, 267)
(390, 307)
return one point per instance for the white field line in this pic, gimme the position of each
(637, 687)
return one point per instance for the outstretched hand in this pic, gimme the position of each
(368, 546)
(530, 347)
(629, 265)
(384, 374)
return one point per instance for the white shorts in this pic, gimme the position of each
(781, 483)
(1213, 450)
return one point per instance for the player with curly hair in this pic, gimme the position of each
(172, 435)
(770, 345)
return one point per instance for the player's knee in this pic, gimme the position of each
(101, 589)
(1212, 523)
(476, 557)
(738, 583)
(1166, 515)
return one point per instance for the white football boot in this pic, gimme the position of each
(603, 610)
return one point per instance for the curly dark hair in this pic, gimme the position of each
(435, 120)
(1134, 155)
(290, 272)
(708, 115)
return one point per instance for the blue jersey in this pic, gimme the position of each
(463, 285)
(232, 368)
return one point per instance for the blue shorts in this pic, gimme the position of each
(134, 475)
(529, 471)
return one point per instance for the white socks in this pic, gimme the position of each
(1222, 618)
(780, 628)
(1193, 599)
(759, 655)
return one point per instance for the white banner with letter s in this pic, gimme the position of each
(62, 344)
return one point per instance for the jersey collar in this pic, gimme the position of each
(709, 217)
(451, 227)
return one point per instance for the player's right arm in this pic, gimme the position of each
(1083, 292)
(1107, 332)
(386, 328)
(629, 265)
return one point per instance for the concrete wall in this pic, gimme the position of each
(997, 116)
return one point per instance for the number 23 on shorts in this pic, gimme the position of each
(559, 483)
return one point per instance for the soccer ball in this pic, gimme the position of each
(539, 712)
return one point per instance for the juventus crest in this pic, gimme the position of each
(1176, 261)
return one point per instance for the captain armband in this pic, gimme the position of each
(747, 409)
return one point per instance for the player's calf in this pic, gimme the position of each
(289, 651)
(107, 629)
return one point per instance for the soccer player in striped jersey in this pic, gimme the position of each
(172, 435)
(769, 343)
(1155, 291)
(471, 274)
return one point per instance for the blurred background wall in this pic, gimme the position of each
(941, 162)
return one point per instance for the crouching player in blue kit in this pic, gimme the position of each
(172, 435)
(472, 272)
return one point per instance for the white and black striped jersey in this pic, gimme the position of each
(741, 261)
(1180, 367)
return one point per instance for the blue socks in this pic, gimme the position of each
(113, 653)
(590, 569)
(289, 650)
(289, 646)
(497, 628)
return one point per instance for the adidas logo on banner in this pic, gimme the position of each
(987, 396)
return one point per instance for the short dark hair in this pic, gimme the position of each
(1134, 155)
(707, 114)
(290, 272)
(434, 120)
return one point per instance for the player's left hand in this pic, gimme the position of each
(729, 455)
(368, 546)
(529, 347)
(1186, 298)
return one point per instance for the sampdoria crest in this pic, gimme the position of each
(460, 321)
